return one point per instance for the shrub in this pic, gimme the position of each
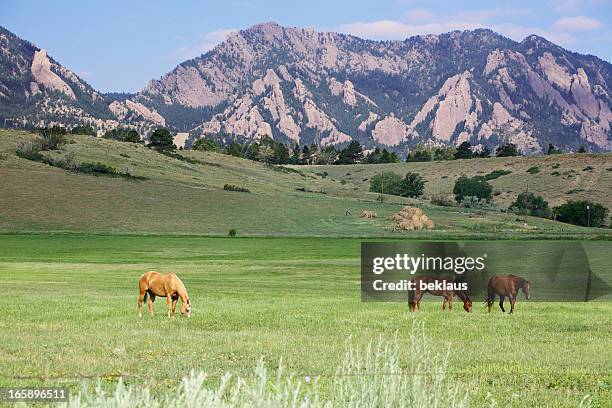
(413, 185)
(533, 170)
(393, 183)
(52, 139)
(474, 202)
(96, 168)
(444, 200)
(475, 186)
(206, 145)
(29, 150)
(496, 174)
(530, 204)
(576, 212)
(231, 187)
(232, 232)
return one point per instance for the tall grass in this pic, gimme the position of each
(374, 376)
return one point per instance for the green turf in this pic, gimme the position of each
(69, 311)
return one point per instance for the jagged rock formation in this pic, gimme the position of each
(302, 86)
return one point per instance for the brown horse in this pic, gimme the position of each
(415, 296)
(154, 284)
(507, 285)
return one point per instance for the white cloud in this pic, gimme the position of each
(395, 30)
(565, 6)
(206, 43)
(578, 23)
(519, 32)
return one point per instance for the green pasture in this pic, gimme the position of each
(68, 314)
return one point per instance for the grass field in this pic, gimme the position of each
(69, 313)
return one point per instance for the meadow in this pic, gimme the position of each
(70, 317)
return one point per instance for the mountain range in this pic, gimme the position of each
(302, 86)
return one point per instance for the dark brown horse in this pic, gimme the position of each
(415, 296)
(506, 285)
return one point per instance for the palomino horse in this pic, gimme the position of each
(154, 284)
(415, 296)
(507, 285)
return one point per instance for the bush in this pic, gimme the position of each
(496, 174)
(231, 187)
(29, 150)
(161, 139)
(206, 145)
(232, 232)
(475, 186)
(52, 139)
(393, 183)
(96, 168)
(444, 200)
(576, 212)
(530, 204)
(533, 170)
(474, 202)
(413, 185)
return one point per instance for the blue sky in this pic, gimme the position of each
(121, 45)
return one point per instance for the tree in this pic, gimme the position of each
(484, 153)
(464, 151)
(419, 153)
(445, 153)
(413, 185)
(530, 204)
(582, 150)
(234, 149)
(265, 154)
(328, 155)
(393, 183)
(251, 152)
(373, 157)
(507, 150)
(206, 145)
(475, 186)
(281, 154)
(394, 158)
(161, 139)
(585, 213)
(295, 154)
(305, 155)
(352, 154)
(52, 138)
(123, 135)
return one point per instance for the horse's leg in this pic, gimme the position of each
(174, 306)
(169, 303)
(450, 302)
(444, 304)
(150, 303)
(512, 302)
(490, 299)
(141, 298)
(501, 303)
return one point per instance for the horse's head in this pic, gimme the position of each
(186, 308)
(467, 305)
(526, 288)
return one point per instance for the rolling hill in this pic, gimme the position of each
(187, 196)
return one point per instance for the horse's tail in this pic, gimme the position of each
(146, 297)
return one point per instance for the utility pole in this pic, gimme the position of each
(382, 187)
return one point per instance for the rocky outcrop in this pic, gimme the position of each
(42, 74)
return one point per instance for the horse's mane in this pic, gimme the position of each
(520, 279)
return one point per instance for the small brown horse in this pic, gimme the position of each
(415, 296)
(154, 284)
(506, 285)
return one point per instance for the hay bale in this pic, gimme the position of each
(428, 224)
(368, 214)
(411, 219)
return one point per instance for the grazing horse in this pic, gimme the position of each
(154, 284)
(415, 296)
(506, 285)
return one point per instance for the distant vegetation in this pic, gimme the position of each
(411, 185)
(584, 213)
(472, 187)
(231, 187)
(123, 135)
(530, 204)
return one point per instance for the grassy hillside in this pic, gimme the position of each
(180, 197)
(557, 178)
